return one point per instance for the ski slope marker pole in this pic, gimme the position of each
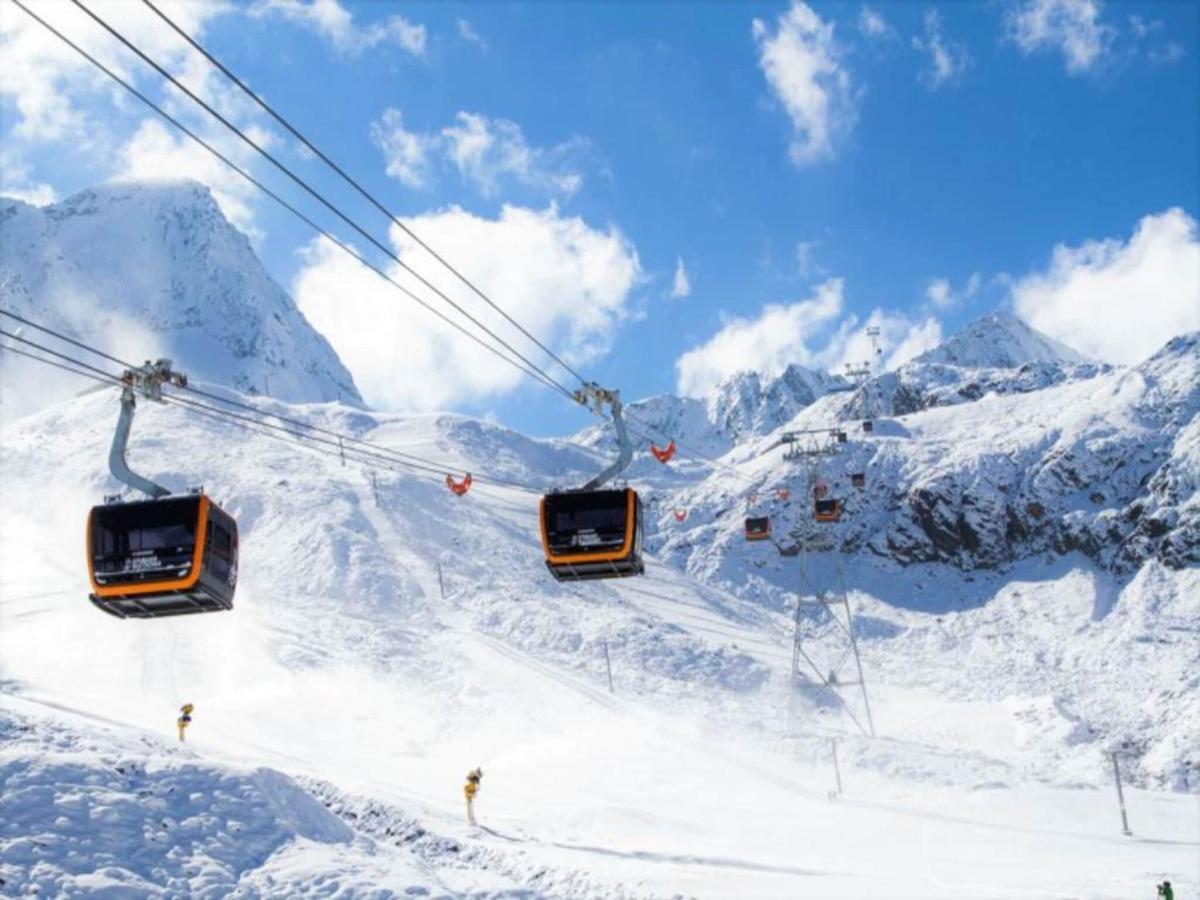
(1120, 794)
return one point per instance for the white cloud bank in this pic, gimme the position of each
(1119, 301)
(802, 64)
(566, 282)
(812, 332)
(1072, 27)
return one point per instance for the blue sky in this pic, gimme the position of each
(802, 167)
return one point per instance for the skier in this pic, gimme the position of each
(184, 720)
(1165, 891)
(470, 789)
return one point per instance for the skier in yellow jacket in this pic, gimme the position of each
(184, 720)
(470, 789)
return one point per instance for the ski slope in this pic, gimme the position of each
(354, 684)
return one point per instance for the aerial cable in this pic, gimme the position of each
(267, 108)
(58, 365)
(69, 340)
(246, 406)
(422, 465)
(300, 423)
(116, 379)
(289, 207)
(377, 451)
(383, 248)
(219, 416)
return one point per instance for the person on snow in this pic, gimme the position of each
(470, 789)
(184, 720)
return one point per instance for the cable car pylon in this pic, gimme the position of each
(829, 600)
(593, 531)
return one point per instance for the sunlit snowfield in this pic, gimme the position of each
(372, 688)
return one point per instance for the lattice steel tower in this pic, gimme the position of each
(823, 642)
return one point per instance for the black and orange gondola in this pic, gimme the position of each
(169, 555)
(595, 532)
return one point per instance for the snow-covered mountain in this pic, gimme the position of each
(155, 270)
(1000, 341)
(742, 406)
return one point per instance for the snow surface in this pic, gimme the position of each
(345, 677)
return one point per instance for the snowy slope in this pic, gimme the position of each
(155, 269)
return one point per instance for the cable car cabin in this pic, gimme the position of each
(164, 557)
(758, 528)
(592, 534)
(827, 510)
(868, 426)
(858, 479)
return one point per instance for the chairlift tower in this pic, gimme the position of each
(823, 641)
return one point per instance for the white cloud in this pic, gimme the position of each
(47, 81)
(405, 152)
(468, 33)
(873, 25)
(801, 62)
(938, 293)
(486, 150)
(681, 286)
(1167, 54)
(806, 258)
(1119, 301)
(812, 332)
(947, 59)
(566, 282)
(1072, 27)
(17, 182)
(942, 295)
(334, 22)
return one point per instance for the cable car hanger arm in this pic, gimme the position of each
(147, 379)
(591, 394)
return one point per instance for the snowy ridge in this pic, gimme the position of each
(155, 269)
(1000, 341)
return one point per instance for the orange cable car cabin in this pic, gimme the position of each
(592, 534)
(827, 510)
(758, 528)
(164, 557)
